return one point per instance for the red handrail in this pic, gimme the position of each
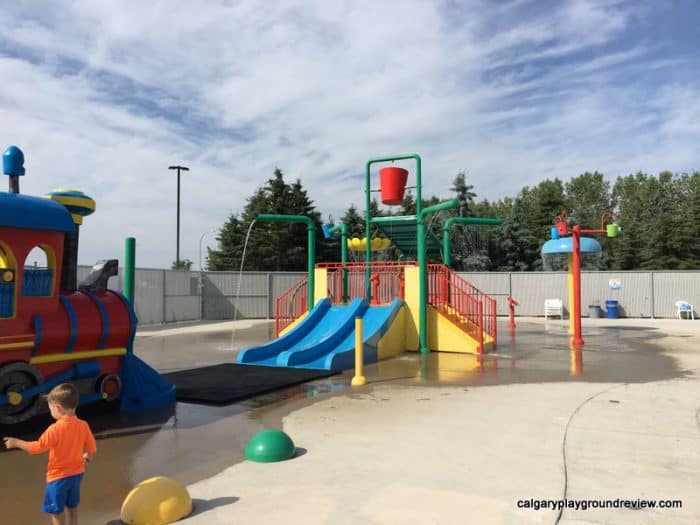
(362, 264)
(471, 309)
(291, 305)
(386, 276)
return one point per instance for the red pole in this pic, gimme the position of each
(444, 285)
(375, 289)
(278, 314)
(577, 339)
(480, 339)
(512, 303)
(576, 361)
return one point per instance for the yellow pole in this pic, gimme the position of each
(359, 379)
(570, 265)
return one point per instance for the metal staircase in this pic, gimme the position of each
(467, 307)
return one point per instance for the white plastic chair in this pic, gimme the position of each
(553, 307)
(684, 307)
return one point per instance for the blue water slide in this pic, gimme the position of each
(332, 329)
(375, 323)
(327, 340)
(270, 350)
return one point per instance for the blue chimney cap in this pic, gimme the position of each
(13, 161)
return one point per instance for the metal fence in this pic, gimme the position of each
(163, 296)
(639, 294)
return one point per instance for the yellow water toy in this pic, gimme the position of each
(376, 244)
(156, 501)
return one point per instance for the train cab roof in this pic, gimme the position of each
(37, 213)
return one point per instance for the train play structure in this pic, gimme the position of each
(409, 304)
(52, 328)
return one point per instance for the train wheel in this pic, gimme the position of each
(15, 378)
(110, 386)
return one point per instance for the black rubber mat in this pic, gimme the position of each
(230, 382)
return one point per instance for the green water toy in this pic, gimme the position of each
(269, 445)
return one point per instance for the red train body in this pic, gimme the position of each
(50, 331)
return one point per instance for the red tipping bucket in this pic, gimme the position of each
(392, 184)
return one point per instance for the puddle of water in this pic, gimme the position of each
(191, 442)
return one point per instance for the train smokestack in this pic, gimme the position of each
(79, 205)
(13, 166)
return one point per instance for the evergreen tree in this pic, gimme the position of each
(547, 202)
(230, 239)
(686, 223)
(588, 196)
(354, 222)
(657, 216)
(272, 246)
(518, 248)
(627, 200)
(469, 249)
(408, 205)
(375, 210)
(663, 247)
(184, 264)
(464, 194)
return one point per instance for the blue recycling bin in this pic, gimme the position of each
(611, 309)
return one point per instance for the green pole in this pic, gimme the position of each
(129, 270)
(422, 269)
(368, 218)
(461, 220)
(343, 229)
(311, 230)
(129, 261)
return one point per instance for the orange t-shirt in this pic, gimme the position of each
(66, 440)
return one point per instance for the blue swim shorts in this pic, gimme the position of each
(61, 493)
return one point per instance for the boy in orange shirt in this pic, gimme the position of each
(70, 444)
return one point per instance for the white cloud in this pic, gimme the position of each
(104, 98)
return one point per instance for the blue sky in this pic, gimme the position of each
(103, 96)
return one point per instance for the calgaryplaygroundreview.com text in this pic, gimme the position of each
(589, 504)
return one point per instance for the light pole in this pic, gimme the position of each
(177, 248)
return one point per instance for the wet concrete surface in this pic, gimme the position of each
(179, 350)
(191, 442)
(539, 354)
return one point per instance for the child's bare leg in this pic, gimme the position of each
(72, 515)
(58, 519)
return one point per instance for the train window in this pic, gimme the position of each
(38, 272)
(7, 282)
